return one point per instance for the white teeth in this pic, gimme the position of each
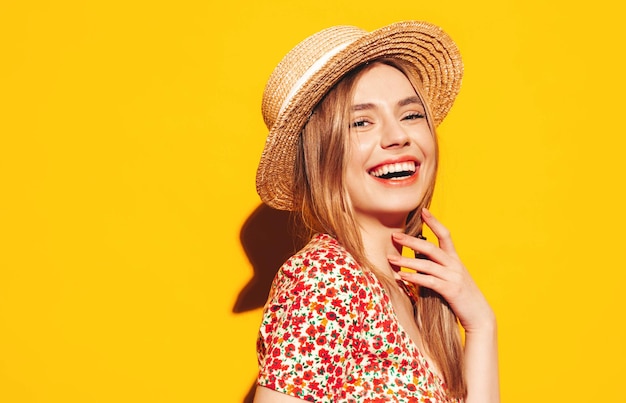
(408, 166)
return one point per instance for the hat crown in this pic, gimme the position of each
(299, 64)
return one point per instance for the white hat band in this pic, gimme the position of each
(309, 73)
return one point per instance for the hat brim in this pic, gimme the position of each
(426, 46)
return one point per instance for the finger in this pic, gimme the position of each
(423, 280)
(421, 246)
(441, 232)
(420, 265)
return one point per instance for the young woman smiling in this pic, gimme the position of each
(352, 148)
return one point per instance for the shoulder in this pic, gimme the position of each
(310, 322)
(323, 255)
(322, 263)
(321, 281)
(320, 286)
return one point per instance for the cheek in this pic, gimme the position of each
(429, 147)
(357, 154)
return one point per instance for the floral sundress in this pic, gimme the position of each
(329, 334)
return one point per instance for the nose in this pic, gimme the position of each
(394, 135)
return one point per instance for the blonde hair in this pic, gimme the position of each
(321, 197)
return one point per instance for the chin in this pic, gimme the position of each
(394, 215)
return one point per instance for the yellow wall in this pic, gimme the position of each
(129, 137)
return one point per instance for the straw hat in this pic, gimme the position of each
(316, 64)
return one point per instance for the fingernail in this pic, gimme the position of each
(426, 213)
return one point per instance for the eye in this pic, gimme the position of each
(360, 123)
(414, 116)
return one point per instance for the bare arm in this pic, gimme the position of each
(265, 395)
(445, 274)
(481, 364)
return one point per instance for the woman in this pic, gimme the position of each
(352, 148)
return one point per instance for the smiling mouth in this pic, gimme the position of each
(397, 171)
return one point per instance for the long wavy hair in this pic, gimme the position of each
(325, 207)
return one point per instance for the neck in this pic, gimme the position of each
(378, 244)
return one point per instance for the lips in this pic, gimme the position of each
(394, 171)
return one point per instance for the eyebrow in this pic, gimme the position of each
(403, 102)
(362, 107)
(410, 100)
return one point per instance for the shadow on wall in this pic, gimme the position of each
(269, 237)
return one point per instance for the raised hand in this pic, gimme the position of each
(444, 273)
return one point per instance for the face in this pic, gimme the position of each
(391, 160)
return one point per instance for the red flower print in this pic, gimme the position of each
(371, 368)
(275, 364)
(347, 274)
(306, 348)
(324, 355)
(275, 308)
(329, 335)
(321, 341)
(326, 268)
(378, 342)
(289, 350)
(282, 382)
